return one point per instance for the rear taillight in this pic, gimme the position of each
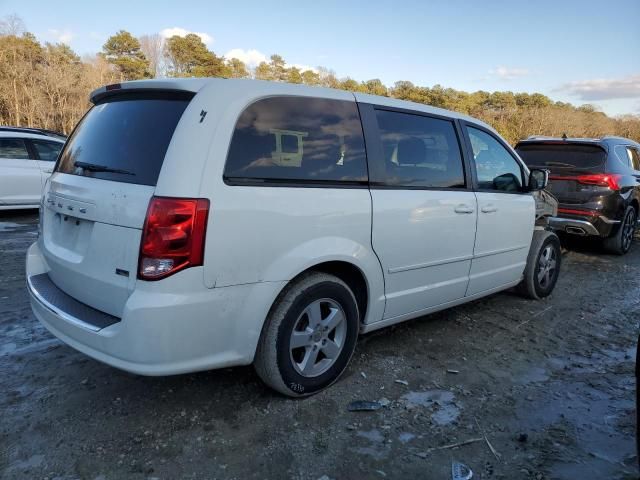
(609, 180)
(173, 236)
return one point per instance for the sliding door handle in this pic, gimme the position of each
(463, 209)
(489, 209)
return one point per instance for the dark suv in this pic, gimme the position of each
(596, 182)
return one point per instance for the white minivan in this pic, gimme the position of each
(193, 224)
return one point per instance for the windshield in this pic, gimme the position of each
(559, 156)
(124, 138)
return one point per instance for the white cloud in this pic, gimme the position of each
(507, 73)
(604, 88)
(302, 67)
(61, 36)
(183, 32)
(250, 58)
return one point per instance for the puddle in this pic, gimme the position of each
(372, 452)
(621, 356)
(32, 462)
(377, 448)
(446, 409)
(7, 348)
(446, 415)
(406, 437)
(372, 435)
(595, 417)
(428, 398)
(533, 375)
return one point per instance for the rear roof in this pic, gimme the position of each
(279, 88)
(28, 132)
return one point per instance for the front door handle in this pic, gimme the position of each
(462, 208)
(489, 209)
(48, 170)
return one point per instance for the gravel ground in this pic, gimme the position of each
(550, 384)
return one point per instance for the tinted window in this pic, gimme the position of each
(47, 150)
(628, 156)
(420, 151)
(128, 135)
(298, 138)
(562, 156)
(635, 158)
(13, 148)
(496, 168)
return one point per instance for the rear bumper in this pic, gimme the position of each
(167, 327)
(600, 226)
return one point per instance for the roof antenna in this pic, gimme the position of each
(564, 136)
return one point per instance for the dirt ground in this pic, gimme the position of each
(549, 383)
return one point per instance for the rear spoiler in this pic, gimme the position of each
(188, 85)
(589, 143)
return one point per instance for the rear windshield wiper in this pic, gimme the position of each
(559, 164)
(101, 168)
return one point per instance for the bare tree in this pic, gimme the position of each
(12, 25)
(48, 86)
(153, 48)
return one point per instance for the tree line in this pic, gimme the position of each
(47, 85)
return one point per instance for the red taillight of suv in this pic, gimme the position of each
(609, 180)
(173, 236)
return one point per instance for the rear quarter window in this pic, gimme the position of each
(47, 151)
(297, 139)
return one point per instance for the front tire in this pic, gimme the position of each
(309, 336)
(543, 265)
(620, 242)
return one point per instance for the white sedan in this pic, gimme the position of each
(27, 158)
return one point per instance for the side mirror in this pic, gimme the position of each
(538, 179)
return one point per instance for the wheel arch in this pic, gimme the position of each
(350, 274)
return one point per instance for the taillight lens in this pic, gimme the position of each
(601, 179)
(609, 180)
(173, 236)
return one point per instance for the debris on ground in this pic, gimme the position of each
(459, 471)
(363, 406)
(552, 389)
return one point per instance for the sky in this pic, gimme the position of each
(573, 51)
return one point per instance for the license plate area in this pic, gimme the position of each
(68, 236)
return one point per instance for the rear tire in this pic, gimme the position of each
(620, 242)
(309, 336)
(543, 266)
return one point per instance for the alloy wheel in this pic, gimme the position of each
(628, 230)
(547, 266)
(318, 337)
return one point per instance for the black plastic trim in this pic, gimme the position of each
(293, 183)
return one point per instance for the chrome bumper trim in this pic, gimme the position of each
(561, 224)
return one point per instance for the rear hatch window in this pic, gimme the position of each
(125, 138)
(563, 157)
